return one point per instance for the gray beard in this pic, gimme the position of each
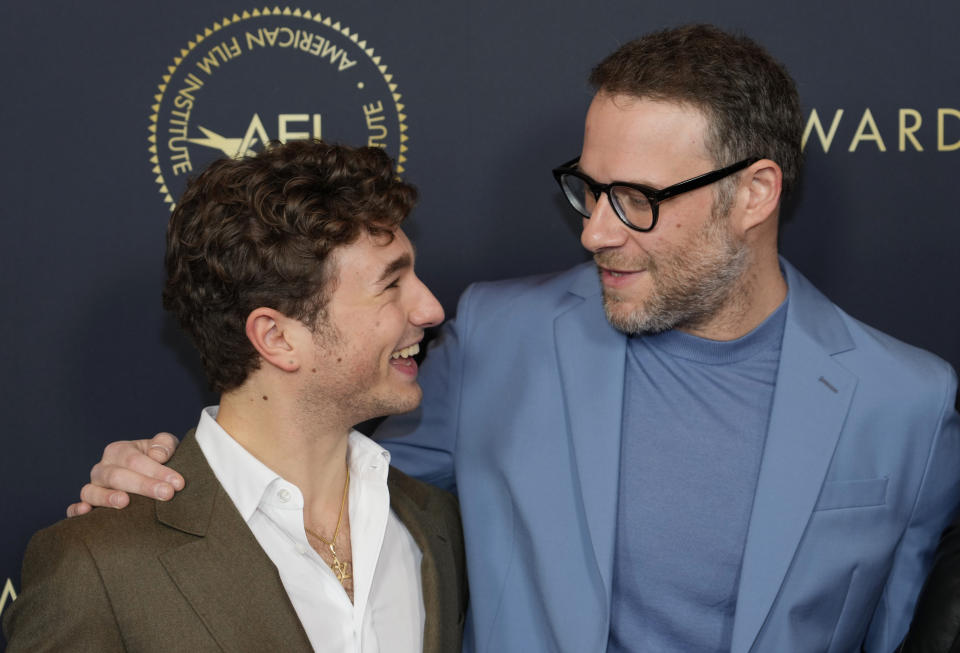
(690, 287)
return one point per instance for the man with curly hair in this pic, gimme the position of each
(291, 274)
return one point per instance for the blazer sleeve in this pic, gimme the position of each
(936, 622)
(935, 506)
(422, 443)
(63, 604)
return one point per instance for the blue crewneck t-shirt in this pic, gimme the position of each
(694, 425)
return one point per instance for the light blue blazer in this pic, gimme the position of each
(523, 397)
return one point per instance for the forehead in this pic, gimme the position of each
(364, 261)
(638, 139)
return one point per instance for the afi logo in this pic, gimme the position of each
(290, 127)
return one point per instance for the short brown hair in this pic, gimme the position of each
(750, 101)
(258, 231)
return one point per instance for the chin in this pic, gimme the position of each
(632, 320)
(404, 401)
(620, 314)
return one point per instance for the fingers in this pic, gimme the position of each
(131, 467)
(77, 509)
(140, 457)
(94, 495)
(138, 475)
(161, 446)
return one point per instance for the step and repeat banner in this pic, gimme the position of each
(108, 107)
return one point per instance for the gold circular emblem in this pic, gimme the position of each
(270, 75)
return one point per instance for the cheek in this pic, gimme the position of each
(391, 321)
(646, 244)
(359, 361)
(678, 234)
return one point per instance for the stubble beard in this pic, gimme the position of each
(354, 393)
(691, 284)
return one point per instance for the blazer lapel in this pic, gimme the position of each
(591, 356)
(441, 580)
(224, 574)
(810, 404)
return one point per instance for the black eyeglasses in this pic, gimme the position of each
(636, 205)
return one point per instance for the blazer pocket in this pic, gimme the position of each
(852, 494)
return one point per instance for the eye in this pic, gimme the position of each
(631, 198)
(394, 284)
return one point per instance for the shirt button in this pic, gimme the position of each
(302, 550)
(284, 495)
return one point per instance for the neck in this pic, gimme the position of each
(758, 293)
(302, 448)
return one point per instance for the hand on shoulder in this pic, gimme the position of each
(134, 466)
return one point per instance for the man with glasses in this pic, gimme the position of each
(682, 446)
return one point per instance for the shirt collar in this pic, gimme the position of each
(366, 457)
(246, 480)
(765, 337)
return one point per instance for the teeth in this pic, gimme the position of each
(407, 352)
(615, 274)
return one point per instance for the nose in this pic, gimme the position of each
(603, 229)
(427, 311)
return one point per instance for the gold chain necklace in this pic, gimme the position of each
(340, 569)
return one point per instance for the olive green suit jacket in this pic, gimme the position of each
(188, 575)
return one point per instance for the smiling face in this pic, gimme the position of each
(685, 273)
(371, 327)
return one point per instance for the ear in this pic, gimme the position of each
(274, 336)
(759, 194)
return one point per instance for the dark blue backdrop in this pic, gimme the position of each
(491, 97)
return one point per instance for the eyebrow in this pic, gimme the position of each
(402, 262)
(646, 184)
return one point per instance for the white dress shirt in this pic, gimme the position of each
(387, 613)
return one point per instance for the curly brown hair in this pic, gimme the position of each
(750, 101)
(258, 231)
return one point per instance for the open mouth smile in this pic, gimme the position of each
(404, 362)
(406, 352)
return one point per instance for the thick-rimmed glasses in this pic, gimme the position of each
(636, 205)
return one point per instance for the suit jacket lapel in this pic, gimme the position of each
(224, 574)
(440, 578)
(810, 404)
(591, 357)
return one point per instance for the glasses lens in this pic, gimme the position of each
(579, 194)
(633, 205)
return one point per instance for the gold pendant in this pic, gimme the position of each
(340, 569)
